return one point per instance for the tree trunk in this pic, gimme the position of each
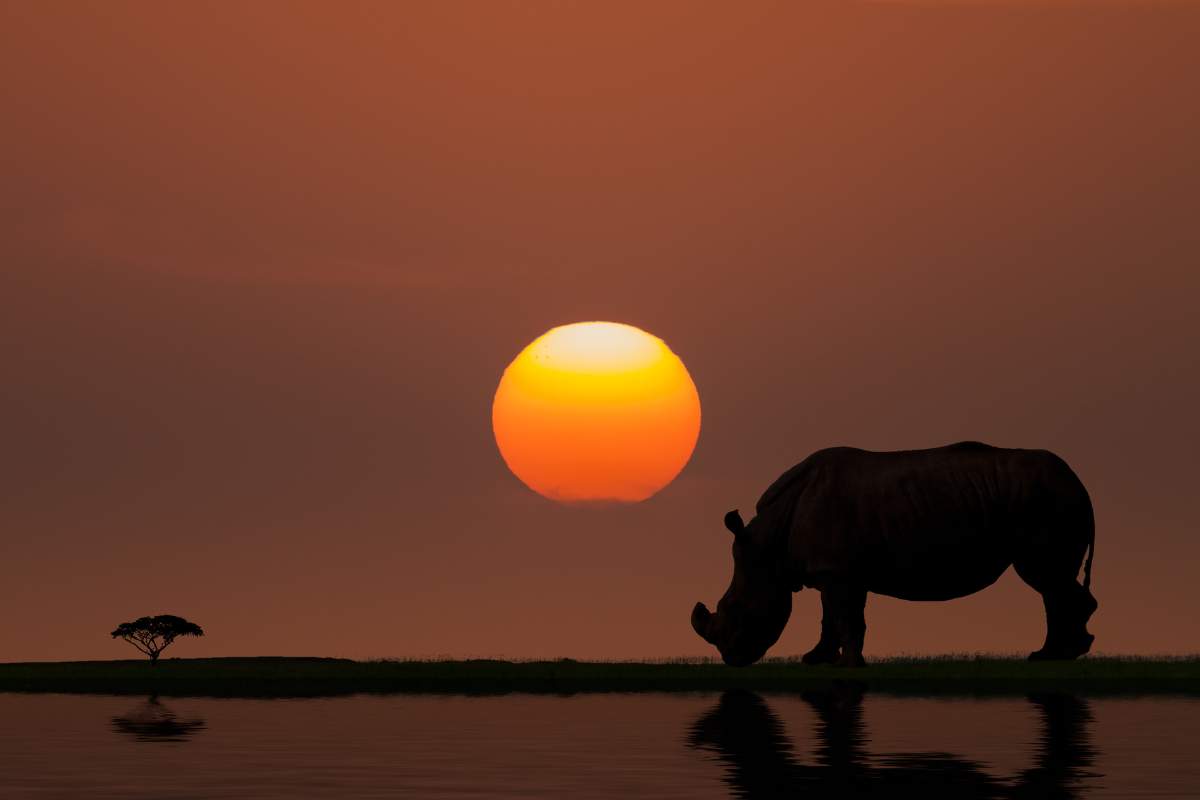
(153, 659)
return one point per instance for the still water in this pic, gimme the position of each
(738, 744)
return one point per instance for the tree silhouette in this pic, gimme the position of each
(152, 635)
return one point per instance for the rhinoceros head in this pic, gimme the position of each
(757, 604)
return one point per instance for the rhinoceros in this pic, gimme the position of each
(932, 524)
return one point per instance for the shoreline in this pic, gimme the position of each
(272, 676)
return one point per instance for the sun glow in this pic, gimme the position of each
(596, 411)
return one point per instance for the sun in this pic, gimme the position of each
(596, 411)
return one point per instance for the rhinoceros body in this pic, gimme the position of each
(932, 524)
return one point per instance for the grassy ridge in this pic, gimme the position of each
(311, 677)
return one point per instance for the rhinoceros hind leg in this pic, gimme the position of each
(1049, 561)
(1067, 612)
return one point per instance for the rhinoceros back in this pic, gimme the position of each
(926, 524)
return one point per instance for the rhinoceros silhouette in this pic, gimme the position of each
(930, 524)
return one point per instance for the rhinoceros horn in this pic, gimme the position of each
(701, 621)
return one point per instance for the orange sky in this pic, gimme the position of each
(262, 267)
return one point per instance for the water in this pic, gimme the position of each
(739, 744)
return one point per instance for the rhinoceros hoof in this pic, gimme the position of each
(1067, 652)
(851, 661)
(819, 656)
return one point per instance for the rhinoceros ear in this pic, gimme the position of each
(733, 521)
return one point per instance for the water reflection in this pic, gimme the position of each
(154, 722)
(750, 740)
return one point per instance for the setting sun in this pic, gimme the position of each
(596, 411)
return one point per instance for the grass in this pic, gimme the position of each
(310, 677)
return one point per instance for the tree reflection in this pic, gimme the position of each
(749, 738)
(154, 722)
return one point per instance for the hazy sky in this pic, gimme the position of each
(261, 267)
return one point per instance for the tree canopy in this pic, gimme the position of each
(152, 635)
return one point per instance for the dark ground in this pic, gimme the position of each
(300, 677)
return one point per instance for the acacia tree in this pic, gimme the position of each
(152, 635)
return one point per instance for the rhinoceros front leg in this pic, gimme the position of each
(849, 604)
(830, 644)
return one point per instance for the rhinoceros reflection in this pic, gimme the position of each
(154, 722)
(760, 761)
